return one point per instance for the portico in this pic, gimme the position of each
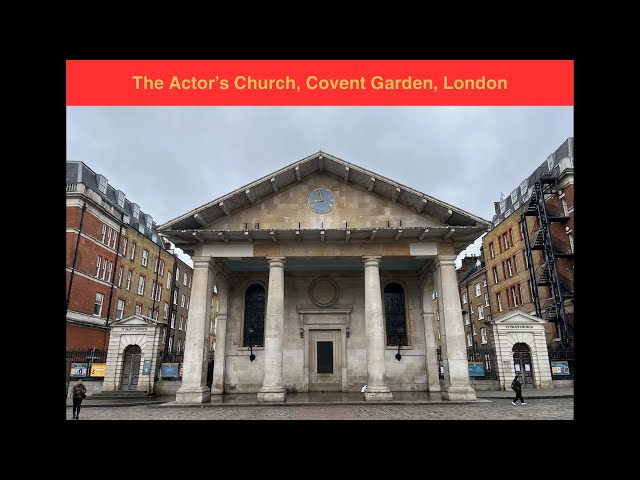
(323, 269)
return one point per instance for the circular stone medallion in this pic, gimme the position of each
(324, 292)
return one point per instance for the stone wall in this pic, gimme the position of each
(93, 386)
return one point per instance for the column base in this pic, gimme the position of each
(193, 395)
(378, 394)
(434, 388)
(458, 393)
(217, 391)
(272, 395)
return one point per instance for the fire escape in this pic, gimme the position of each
(545, 273)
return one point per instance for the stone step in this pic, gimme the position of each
(122, 394)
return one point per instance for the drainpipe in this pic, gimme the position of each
(171, 307)
(115, 269)
(155, 294)
(75, 255)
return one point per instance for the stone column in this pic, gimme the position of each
(433, 376)
(194, 387)
(374, 322)
(456, 382)
(272, 389)
(217, 385)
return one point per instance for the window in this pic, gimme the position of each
(102, 183)
(395, 316)
(114, 241)
(165, 312)
(141, 285)
(523, 187)
(480, 315)
(178, 346)
(505, 240)
(187, 303)
(158, 292)
(98, 266)
(156, 265)
(253, 323)
(464, 297)
(175, 297)
(136, 211)
(109, 274)
(161, 272)
(509, 267)
(138, 309)
(104, 231)
(104, 268)
(514, 296)
(524, 259)
(149, 312)
(186, 320)
(469, 340)
(483, 335)
(486, 299)
(183, 300)
(149, 221)
(155, 314)
(515, 264)
(97, 307)
(181, 324)
(145, 258)
(465, 315)
(184, 279)
(119, 309)
(514, 196)
(478, 293)
(120, 274)
(168, 280)
(484, 282)
(178, 275)
(191, 276)
(120, 198)
(495, 274)
(108, 237)
(129, 280)
(153, 290)
(474, 329)
(521, 224)
(141, 228)
(492, 250)
(173, 319)
(499, 300)
(520, 294)
(133, 250)
(170, 343)
(470, 307)
(516, 205)
(434, 295)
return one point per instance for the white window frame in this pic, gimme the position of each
(177, 274)
(148, 221)
(483, 335)
(120, 274)
(514, 296)
(102, 184)
(173, 320)
(165, 313)
(484, 282)
(109, 272)
(170, 343)
(499, 297)
(108, 242)
(181, 322)
(492, 250)
(510, 267)
(158, 292)
(480, 314)
(464, 298)
(496, 279)
(104, 269)
(98, 266)
(188, 302)
(466, 318)
(168, 280)
(470, 307)
(153, 289)
(114, 240)
(473, 327)
(98, 304)
(183, 299)
(104, 231)
(120, 311)
(175, 297)
(185, 279)
(133, 250)
(136, 211)
(478, 292)
(486, 299)
(144, 261)
(161, 273)
(129, 275)
(191, 276)
(141, 281)
(156, 265)
(505, 238)
(138, 309)
(178, 346)
(469, 340)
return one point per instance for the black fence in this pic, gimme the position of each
(88, 356)
(562, 363)
(176, 374)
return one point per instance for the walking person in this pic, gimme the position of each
(516, 385)
(78, 394)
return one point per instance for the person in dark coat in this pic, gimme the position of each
(516, 385)
(79, 391)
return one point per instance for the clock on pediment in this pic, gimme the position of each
(321, 200)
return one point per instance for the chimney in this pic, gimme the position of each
(496, 206)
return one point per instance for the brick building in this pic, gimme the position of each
(529, 251)
(476, 302)
(103, 286)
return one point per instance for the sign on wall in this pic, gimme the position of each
(476, 369)
(168, 370)
(560, 368)
(79, 369)
(146, 369)
(98, 369)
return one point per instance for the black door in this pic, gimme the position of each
(522, 364)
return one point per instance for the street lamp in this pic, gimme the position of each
(252, 357)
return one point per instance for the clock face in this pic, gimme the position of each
(321, 200)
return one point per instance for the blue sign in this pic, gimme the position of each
(476, 369)
(79, 369)
(560, 368)
(169, 370)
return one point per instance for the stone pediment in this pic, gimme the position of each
(136, 320)
(363, 199)
(518, 318)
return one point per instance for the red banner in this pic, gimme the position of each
(320, 82)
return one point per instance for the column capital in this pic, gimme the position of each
(445, 260)
(371, 260)
(276, 261)
(203, 262)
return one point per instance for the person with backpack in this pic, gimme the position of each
(516, 385)
(78, 394)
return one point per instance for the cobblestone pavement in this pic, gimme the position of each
(536, 409)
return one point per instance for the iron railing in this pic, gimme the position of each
(557, 356)
(487, 356)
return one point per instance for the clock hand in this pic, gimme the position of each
(320, 192)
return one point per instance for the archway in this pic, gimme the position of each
(130, 368)
(522, 364)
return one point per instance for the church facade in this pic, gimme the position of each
(325, 273)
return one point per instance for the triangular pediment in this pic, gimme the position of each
(518, 318)
(136, 320)
(280, 196)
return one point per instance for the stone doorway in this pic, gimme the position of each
(130, 368)
(522, 364)
(325, 365)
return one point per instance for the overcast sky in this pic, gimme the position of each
(170, 160)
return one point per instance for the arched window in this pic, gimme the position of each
(394, 314)
(254, 305)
